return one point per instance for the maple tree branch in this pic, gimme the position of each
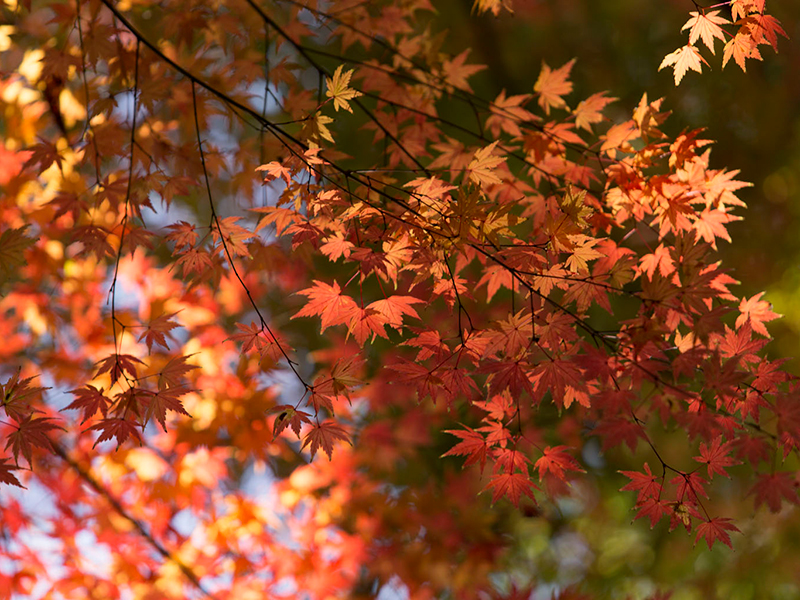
(215, 218)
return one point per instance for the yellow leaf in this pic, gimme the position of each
(481, 167)
(682, 60)
(340, 91)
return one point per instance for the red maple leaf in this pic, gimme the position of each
(118, 365)
(653, 509)
(16, 396)
(121, 429)
(717, 457)
(234, 236)
(90, 400)
(324, 435)
(513, 485)
(158, 331)
(774, 488)
(472, 445)
(157, 405)
(715, 529)
(174, 372)
(645, 483)
(554, 461)
(690, 486)
(31, 432)
(6, 476)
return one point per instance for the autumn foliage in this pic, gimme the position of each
(285, 237)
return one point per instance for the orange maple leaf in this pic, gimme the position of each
(591, 110)
(456, 72)
(328, 302)
(552, 85)
(741, 47)
(274, 170)
(758, 312)
(394, 308)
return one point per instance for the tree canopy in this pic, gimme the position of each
(295, 304)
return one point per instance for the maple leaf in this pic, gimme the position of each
(31, 432)
(195, 260)
(653, 508)
(710, 224)
(6, 476)
(706, 26)
(13, 243)
(158, 330)
(251, 336)
(645, 483)
(717, 457)
(339, 89)
(740, 47)
(551, 85)
(455, 72)
(772, 489)
(173, 373)
(234, 236)
(343, 375)
(328, 302)
(118, 365)
(275, 169)
(472, 445)
(506, 113)
(555, 461)
(288, 416)
(318, 127)
(17, 395)
(590, 111)
(682, 60)
(690, 486)
(715, 529)
(659, 259)
(508, 374)
(481, 169)
(157, 405)
(482, 6)
(426, 382)
(365, 324)
(90, 400)
(324, 435)
(394, 308)
(336, 247)
(766, 30)
(513, 485)
(122, 429)
(757, 312)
